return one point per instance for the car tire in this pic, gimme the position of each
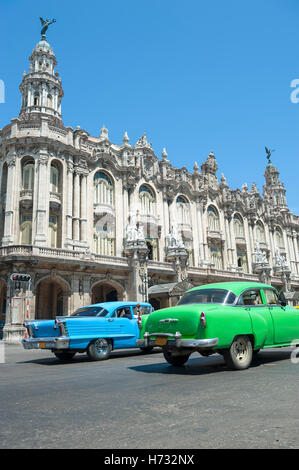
(147, 349)
(239, 355)
(175, 360)
(99, 349)
(64, 355)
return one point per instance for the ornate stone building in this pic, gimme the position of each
(94, 221)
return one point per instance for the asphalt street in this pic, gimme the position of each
(138, 401)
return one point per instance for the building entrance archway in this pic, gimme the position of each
(51, 299)
(105, 292)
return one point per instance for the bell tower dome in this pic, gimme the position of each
(41, 88)
(274, 191)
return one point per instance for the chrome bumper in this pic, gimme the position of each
(62, 342)
(175, 340)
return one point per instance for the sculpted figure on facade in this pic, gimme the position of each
(175, 238)
(260, 256)
(280, 261)
(134, 232)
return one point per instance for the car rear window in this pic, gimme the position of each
(90, 312)
(208, 296)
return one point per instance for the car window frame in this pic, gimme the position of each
(224, 303)
(264, 289)
(113, 315)
(90, 316)
(237, 304)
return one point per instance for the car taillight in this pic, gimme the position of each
(203, 320)
(28, 332)
(60, 326)
(139, 322)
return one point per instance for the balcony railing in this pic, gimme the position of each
(48, 253)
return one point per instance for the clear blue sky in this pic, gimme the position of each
(195, 75)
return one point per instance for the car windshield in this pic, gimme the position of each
(90, 312)
(208, 296)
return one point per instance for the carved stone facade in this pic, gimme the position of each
(92, 221)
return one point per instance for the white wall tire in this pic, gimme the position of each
(239, 355)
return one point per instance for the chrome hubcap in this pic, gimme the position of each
(240, 350)
(101, 346)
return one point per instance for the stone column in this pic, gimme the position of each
(228, 241)
(195, 233)
(14, 330)
(76, 207)
(9, 204)
(165, 223)
(251, 240)
(120, 217)
(69, 208)
(199, 231)
(294, 239)
(272, 246)
(138, 278)
(232, 242)
(42, 210)
(248, 245)
(83, 214)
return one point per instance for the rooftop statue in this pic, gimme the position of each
(269, 153)
(45, 25)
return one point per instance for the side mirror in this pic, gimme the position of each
(282, 300)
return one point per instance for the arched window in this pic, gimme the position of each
(260, 232)
(242, 259)
(152, 246)
(104, 238)
(36, 99)
(278, 238)
(213, 219)
(28, 175)
(52, 231)
(183, 210)
(26, 229)
(238, 226)
(147, 200)
(103, 189)
(54, 179)
(49, 101)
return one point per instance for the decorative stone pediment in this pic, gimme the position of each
(180, 288)
(143, 143)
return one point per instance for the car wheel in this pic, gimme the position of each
(176, 360)
(239, 355)
(65, 356)
(99, 350)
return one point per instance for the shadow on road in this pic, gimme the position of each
(82, 357)
(212, 364)
(196, 365)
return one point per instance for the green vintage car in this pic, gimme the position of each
(235, 319)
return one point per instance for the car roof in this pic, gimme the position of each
(112, 305)
(236, 287)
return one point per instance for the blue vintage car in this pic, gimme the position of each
(96, 329)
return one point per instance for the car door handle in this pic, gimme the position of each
(110, 319)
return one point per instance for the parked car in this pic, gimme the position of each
(96, 329)
(235, 319)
